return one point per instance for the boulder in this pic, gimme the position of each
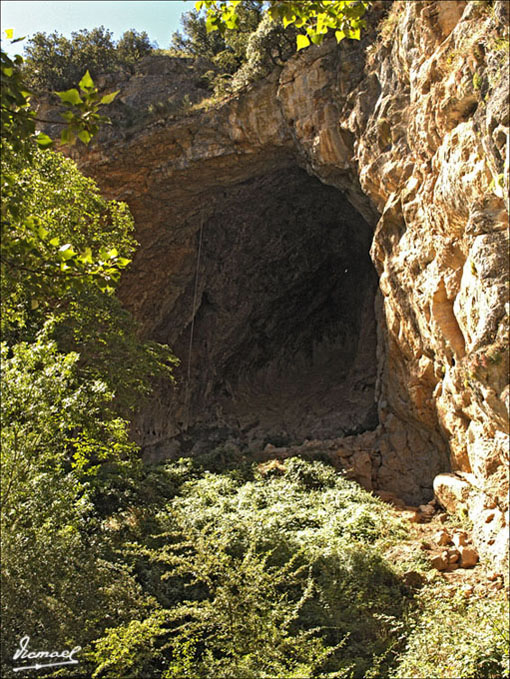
(451, 492)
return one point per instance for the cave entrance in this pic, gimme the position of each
(283, 344)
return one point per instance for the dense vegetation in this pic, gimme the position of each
(236, 57)
(54, 62)
(212, 567)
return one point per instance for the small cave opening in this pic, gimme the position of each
(274, 322)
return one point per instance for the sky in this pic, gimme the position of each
(160, 18)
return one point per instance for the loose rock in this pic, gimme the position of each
(468, 557)
(440, 562)
(453, 556)
(442, 538)
(460, 539)
(427, 510)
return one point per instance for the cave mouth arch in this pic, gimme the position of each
(283, 334)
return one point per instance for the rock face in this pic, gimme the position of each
(256, 218)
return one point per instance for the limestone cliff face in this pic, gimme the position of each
(255, 220)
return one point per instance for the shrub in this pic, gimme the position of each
(272, 576)
(456, 637)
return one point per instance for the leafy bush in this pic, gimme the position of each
(457, 637)
(268, 576)
(67, 460)
(196, 41)
(268, 46)
(237, 57)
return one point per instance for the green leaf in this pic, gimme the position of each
(86, 257)
(112, 253)
(231, 21)
(68, 115)
(71, 96)
(211, 23)
(42, 232)
(108, 98)
(66, 137)
(84, 136)
(55, 241)
(43, 141)
(86, 83)
(66, 251)
(302, 41)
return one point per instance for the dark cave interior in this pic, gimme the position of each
(284, 336)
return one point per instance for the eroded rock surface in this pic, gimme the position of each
(397, 145)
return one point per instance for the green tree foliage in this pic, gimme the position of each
(457, 637)
(23, 234)
(63, 249)
(62, 443)
(226, 52)
(194, 40)
(268, 46)
(54, 62)
(237, 57)
(283, 575)
(71, 362)
(313, 18)
(133, 46)
(37, 263)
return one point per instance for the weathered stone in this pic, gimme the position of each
(468, 557)
(362, 465)
(439, 562)
(460, 539)
(442, 538)
(428, 511)
(271, 468)
(453, 556)
(451, 492)
(410, 514)
(390, 498)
